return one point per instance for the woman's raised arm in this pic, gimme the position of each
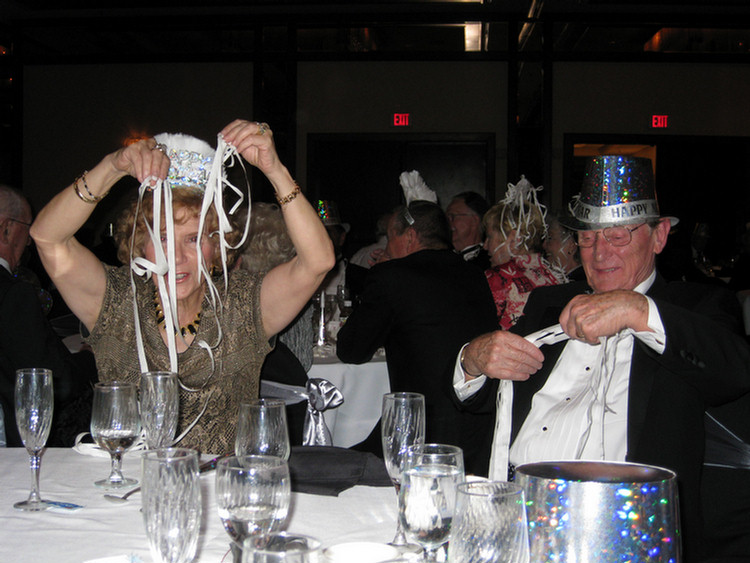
(288, 287)
(75, 270)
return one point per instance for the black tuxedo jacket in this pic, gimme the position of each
(705, 363)
(422, 308)
(27, 340)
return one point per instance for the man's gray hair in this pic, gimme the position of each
(12, 202)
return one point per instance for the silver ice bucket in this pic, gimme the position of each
(592, 512)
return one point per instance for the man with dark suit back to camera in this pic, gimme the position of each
(644, 360)
(422, 304)
(26, 338)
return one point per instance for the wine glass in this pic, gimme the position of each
(262, 429)
(171, 503)
(427, 498)
(160, 402)
(34, 405)
(281, 547)
(402, 425)
(490, 524)
(115, 426)
(252, 495)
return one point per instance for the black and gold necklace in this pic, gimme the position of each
(191, 328)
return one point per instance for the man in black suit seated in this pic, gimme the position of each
(465, 213)
(421, 305)
(644, 360)
(26, 337)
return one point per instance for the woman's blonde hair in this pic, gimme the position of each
(268, 243)
(186, 204)
(504, 218)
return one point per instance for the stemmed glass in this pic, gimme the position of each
(402, 425)
(427, 498)
(262, 429)
(252, 495)
(115, 426)
(160, 405)
(490, 524)
(34, 405)
(171, 502)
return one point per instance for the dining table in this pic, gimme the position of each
(101, 531)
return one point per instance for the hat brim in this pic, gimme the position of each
(575, 225)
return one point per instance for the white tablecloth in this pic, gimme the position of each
(363, 387)
(102, 529)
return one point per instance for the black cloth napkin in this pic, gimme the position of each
(328, 470)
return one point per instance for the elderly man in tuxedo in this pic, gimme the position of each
(641, 359)
(465, 212)
(422, 304)
(26, 337)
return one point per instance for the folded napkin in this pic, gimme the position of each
(328, 470)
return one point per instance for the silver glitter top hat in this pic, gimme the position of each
(617, 190)
(190, 160)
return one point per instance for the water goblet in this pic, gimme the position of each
(262, 429)
(34, 405)
(490, 524)
(252, 496)
(402, 425)
(115, 426)
(281, 547)
(427, 499)
(160, 400)
(171, 503)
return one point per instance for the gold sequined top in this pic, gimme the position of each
(238, 356)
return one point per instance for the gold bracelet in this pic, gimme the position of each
(92, 199)
(290, 196)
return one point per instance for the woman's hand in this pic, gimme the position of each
(141, 160)
(254, 141)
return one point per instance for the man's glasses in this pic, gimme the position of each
(616, 236)
(18, 221)
(453, 216)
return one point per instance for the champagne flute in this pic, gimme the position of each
(403, 425)
(34, 405)
(262, 429)
(115, 426)
(252, 496)
(490, 524)
(160, 402)
(171, 503)
(427, 498)
(282, 547)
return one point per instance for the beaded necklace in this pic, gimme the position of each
(191, 328)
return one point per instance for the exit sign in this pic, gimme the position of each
(401, 119)
(659, 121)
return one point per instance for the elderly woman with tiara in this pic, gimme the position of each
(178, 305)
(515, 229)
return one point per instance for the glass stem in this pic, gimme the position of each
(35, 461)
(399, 538)
(115, 476)
(430, 554)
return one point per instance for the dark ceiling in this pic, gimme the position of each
(46, 31)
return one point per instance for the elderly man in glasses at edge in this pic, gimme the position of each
(635, 361)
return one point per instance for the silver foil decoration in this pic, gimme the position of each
(321, 396)
(585, 511)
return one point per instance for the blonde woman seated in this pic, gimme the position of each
(515, 229)
(179, 306)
